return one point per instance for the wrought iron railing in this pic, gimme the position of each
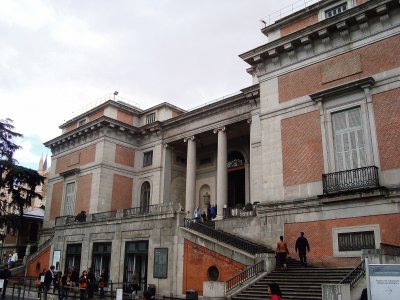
(227, 238)
(244, 276)
(354, 275)
(388, 249)
(361, 178)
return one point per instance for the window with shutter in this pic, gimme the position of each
(69, 199)
(348, 139)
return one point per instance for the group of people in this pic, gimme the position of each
(63, 284)
(282, 252)
(199, 215)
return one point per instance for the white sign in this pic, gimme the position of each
(1, 283)
(56, 259)
(119, 294)
(384, 282)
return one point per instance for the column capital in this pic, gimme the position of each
(190, 138)
(222, 128)
(167, 146)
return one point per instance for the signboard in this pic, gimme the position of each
(384, 282)
(160, 263)
(118, 295)
(56, 259)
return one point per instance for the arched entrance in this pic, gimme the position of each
(236, 179)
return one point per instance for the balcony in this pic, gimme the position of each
(350, 180)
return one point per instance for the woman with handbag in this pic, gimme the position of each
(83, 283)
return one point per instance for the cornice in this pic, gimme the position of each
(322, 30)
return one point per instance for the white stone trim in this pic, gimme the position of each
(336, 231)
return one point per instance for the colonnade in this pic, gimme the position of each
(222, 172)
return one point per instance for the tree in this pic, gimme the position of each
(17, 183)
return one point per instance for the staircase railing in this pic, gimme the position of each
(354, 275)
(244, 276)
(226, 238)
(39, 249)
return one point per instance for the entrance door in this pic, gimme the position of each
(73, 257)
(101, 259)
(136, 255)
(236, 179)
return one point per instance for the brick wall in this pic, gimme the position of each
(387, 112)
(95, 115)
(36, 265)
(83, 192)
(299, 25)
(302, 149)
(76, 159)
(197, 261)
(319, 235)
(56, 198)
(121, 192)
(374, 58)
(125, 117)
(124, 156)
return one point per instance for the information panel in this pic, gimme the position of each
(384, 282)
(160, 263)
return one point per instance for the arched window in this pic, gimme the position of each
(145, 197)
(235, 160)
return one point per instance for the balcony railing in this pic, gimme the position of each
(350, 180)
(110, 215)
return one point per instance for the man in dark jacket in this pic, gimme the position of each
(303, 247)
(48, 280)
(5, 274)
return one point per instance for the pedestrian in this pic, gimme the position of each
(303, 247)
(364, 294)
(83, 283)
(90, 283)
(281, 253)
(274, 291)
(14, 259)
(135, 284)
(75, 277)
(5, 274)
(66, 285)
(48, 280)
(101, 285)
(40, 282)
(81, 217)
(57, 285)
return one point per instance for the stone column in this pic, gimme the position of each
(166, 175)
(222, 171)
(190, 174)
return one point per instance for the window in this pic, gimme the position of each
(348, 139)
(355, 241)
(335, 10)
(213, 273)
(150, 118)
(69, 199)
(147, 158)
(81, 122)
(349, 241)
(145, 197)
(101, 258)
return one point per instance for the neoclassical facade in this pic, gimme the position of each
(312, 145)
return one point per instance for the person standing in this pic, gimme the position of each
(14, 259)
(282, 252)
(75, 277)
(274, 291)
(65, 285)
(83, 283)
(91, 283)
(5, 274)
(48, 280)
(101, 285)
(303, 247)
(40, 282)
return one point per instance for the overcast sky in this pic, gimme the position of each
(57, 57)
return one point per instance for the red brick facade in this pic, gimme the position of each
(302, 149)
(387, 112)
(374, 58)
(125, 117)
(319, 235)
(121, 192)
(197, 261)
(56, 200)
(83, 191)
(76, 159)
(97, 114)
(36, 265)
(292, 27)
(124, 156)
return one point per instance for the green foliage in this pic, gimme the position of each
(17, 183)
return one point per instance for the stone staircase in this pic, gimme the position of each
(297, 282)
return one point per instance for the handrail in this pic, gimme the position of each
(226, 237)
(354, 275)
(244, 276)
(39, 249)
